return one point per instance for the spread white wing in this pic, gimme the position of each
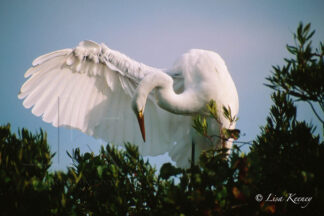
(89, 88)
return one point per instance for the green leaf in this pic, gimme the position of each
(212, 108)
(99, 170)
(200, 125)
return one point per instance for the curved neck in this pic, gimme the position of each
(184, 103)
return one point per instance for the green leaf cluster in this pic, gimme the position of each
(303, 74)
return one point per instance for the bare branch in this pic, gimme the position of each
(318, 117)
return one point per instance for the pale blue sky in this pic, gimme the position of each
(250, 36)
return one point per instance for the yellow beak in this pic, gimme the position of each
(140, 118)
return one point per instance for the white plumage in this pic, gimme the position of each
(96, 87)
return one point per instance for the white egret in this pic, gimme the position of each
(92, 88)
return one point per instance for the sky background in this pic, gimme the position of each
(250, 36)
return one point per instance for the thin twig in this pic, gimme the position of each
(234, 141)
(319, 118)
(321, 105)
(245, 143)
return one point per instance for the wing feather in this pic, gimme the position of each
(51, 107)
(83, 105)
(35, 93)
(50, 56)
(77, 100)
(62, 101)
(46, 95)
(37, 77)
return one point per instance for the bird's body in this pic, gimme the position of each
(96, 87)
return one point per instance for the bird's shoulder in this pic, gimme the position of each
(198, 65)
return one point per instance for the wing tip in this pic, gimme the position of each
(20, 95)
(43, 58)
(29, 72)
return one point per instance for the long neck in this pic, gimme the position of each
(185, 103)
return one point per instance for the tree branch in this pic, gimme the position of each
(319, 118)
(321, 105)
(234, 141)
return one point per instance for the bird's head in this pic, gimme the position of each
(138, 106)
